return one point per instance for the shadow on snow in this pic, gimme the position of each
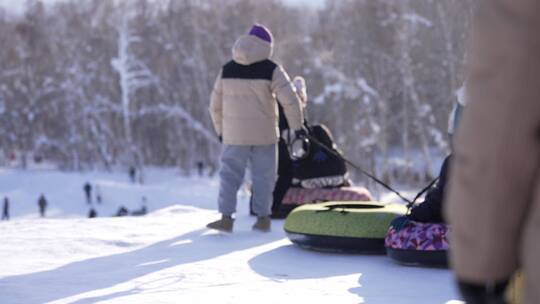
(380, 281)
(103, 272)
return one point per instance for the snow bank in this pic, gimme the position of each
(169, 257)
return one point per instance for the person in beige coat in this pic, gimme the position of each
(493, 203)
(244, 112)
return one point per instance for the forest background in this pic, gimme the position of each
(92, 84)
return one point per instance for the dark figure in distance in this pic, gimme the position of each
(140, 212)
(122, 211)
(42, 203)
(132, 173)
(88, 191)
(99, 199)
(200, 168)
(5, 209)
(92, 213)
(143, 209)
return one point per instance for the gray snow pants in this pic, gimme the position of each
(234, 162)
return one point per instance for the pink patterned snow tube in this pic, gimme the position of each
(418, 236)
(298, 196)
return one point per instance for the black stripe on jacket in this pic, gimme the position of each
(263, 70)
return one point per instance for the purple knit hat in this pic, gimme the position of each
(261, 32)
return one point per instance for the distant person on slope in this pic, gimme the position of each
(5, 209)
(88, 192)
(143, 210)
(122, 211)
(92, 213)
(200, 168)
(132, 174)
(244, 111)
(42, 203)
(99, 198)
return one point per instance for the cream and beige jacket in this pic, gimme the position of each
(243, 104)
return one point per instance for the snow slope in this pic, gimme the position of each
(168, 256)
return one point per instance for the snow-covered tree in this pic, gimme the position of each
(134, 74)
(115, 83)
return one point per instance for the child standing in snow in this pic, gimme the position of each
(244, 112)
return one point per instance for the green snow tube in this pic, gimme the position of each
(349, 227)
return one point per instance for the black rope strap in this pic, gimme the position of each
(411, 204)
(373, 177)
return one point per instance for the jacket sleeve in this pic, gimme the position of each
(285, 93)
(496, 157)
(216, 105)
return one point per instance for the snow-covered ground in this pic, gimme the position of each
(169, 257)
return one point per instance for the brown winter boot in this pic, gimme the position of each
(225, 224)
(263, 224)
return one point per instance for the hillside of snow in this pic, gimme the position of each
(168, 256)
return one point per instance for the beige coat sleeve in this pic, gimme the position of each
(490, 202)
(216, 105)
(286, 95)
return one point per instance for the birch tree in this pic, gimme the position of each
(134, 75)
(408, 23)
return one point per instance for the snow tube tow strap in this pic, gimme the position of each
(299, 196)
(356, 227)
(418, 244)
